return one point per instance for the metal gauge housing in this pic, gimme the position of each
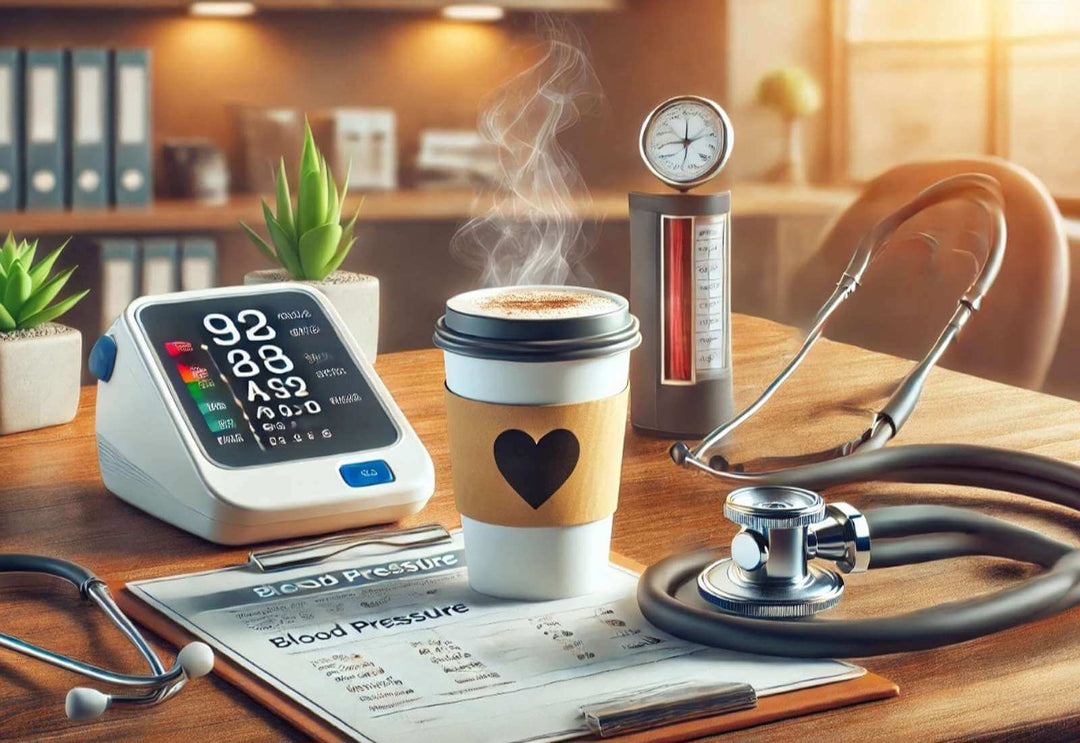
(686, 140)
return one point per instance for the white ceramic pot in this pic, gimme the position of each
(39, 377)
(354, 295)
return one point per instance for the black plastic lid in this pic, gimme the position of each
(605, 329)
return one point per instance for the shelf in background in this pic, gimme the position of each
(327, 5)
(178, 215)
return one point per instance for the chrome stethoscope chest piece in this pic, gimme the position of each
(768, 573)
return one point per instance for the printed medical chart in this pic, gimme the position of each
(386, 646)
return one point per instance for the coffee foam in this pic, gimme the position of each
(534, 303)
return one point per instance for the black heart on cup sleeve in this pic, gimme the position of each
(536, 469)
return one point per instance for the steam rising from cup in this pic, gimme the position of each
(533, 232)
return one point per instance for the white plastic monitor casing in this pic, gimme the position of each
(150, 457)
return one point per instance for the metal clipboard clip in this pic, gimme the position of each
(311, 553)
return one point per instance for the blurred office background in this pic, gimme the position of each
(897, 81)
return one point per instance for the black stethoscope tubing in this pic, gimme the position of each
(902, 535)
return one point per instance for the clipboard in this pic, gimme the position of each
(771, 708)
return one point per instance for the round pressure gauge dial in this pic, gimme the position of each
(686, 140)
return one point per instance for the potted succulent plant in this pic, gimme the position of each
(40, 361)
(309, 243)
(794, 94)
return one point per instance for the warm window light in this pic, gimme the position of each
(472, 12)
(221, 9)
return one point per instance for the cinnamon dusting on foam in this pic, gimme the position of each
(538, 304)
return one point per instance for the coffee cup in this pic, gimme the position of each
(536, 393)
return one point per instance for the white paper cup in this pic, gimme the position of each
(545, 361)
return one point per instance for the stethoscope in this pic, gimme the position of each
(83, 703)
(763, 597)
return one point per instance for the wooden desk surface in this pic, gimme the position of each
(1022, 682)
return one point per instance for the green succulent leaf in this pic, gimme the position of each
(348, 228)
(286, 249)
(27, 251)
(333, 203)
(18, 289)
(8, 253)
(284, 214)
(41, 271)
(265, 249)
(311, 203)
(309, 156)
(342, 193)
(40, 298)
(7, 322)
(339, 256)
(317, 247)
(51, 313)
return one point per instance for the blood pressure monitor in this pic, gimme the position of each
(246, 414)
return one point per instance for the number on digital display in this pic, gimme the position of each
(256, 393)
(260, 330)
(275, 360)
(298, 384)
(222, 328)
(278, 388)
(242, 363)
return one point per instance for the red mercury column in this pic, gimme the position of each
(678, 309)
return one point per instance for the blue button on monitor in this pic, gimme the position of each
(363, 474)
(103, 358)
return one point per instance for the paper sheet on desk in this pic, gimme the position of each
(388, 646)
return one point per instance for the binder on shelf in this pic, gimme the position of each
(198, 263)
(119, 279)
(132, 167)
(11, 124)
(159, 264)
(45, 173)
(91, 105)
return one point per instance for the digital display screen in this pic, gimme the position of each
(264, 378)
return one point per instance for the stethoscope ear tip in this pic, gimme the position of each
(83, 703)
(679, 452)
(196, 658)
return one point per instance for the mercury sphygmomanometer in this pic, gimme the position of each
(246, 414)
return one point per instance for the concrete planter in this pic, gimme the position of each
(39, 377)
(354, 295)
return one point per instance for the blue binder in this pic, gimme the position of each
(119, 277)
(11, 122)
(160, 264)
(45, 116)
(91, 106)
(198, 263)
(132, 165)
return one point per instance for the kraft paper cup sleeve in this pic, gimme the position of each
(536, 465)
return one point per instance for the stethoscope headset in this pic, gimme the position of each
(82, 703)
(764, 597)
